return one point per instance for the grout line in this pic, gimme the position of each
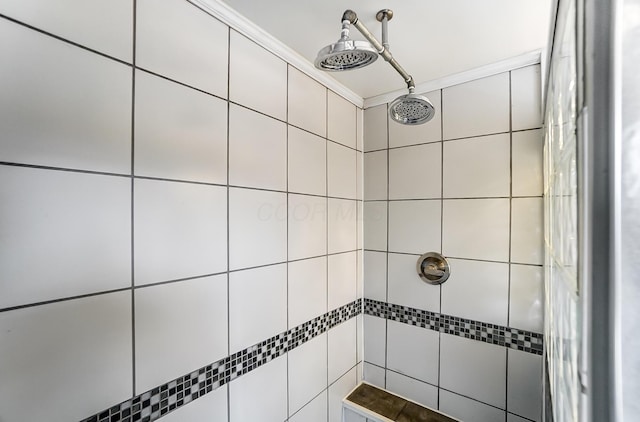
(41, 167)
(65, 299)
(133, 149)
(228, 215)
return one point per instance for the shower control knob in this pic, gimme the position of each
(433, 268)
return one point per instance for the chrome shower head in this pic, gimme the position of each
(411, 109)
(345, 54)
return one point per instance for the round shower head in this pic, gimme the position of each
(411, 109)
(346, 54)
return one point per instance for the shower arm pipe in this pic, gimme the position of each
(383, 50)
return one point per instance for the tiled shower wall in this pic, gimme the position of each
(467, 184)
(171, 193)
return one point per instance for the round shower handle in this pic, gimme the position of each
(433, 268)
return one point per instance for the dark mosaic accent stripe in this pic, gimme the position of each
(513, 338)
(155, 403)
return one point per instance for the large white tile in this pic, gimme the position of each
(407, 288)
(477, 167)
(359, 344)
(476, 108)
(342, 225)
(257, 78)
(527, 163)
(176, 39)
(338, 391)
(413, 351)
(402, 135)
(526, 301)
(180, 133)
(359, 272)
(359, 176)
(341, 120)
(375, 175)
(257, 150)
(474, 369)
(307, 372)
(412, 389)
(477, 290)
(526, 95)
(374, 375)
(476, 228)
(414, 226)
(341, 171)
(307, 226)
(513, 418)
(161, 354)
(360, 225)
(260, 395)
(257, 305)
(92, 131)
(307, 161)
(524, 384)
(63, 234)
(180, 230)
(375, 334)
(466, 409)
(375, 128)
(342, 349)
(526, 231)
(51, 353)
(360, 129)
(314, 411)
(342, 279)
(307, 290)
(307, 106)
(212, 407)
(415, 172)
(257, 228)
(375, 225)
(375, 275)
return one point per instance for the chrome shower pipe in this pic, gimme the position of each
(352, 17)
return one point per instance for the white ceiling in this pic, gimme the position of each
(430, 39)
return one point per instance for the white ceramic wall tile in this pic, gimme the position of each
(314, 411)
(524, 385)
(476, 228)
(257, 150)
(414, 226)
(161, 354)
(351, 416)
(375, 273)
(52, 352)
(211, 407)
(341, 124)
(526, 231)
(359, 272)
(176, 39)
(265, 388)
(341, 171)
(359, 343)
(307, 290)
(412, 389)
(257, 228)
(257, 78)
(375, 128)
(374, 375)
(360, 225)
(360, 129)
(180, 133)
(466, 409)
(477, 290)
(375, 334)
(307, 226)
(359, 176)
(307, 372)
(257, 305)
(413, 351)
(180, 230)
(307, 160)
(342, 279)
(527, 163)
(479, 107)
(375, 175)
(526, 106)
(338, 391)
(402, 135)
(477, 167)
(526, 309)
(307, 106)
(514, 418)
(105, 26)
(415, 172)
(407, 288)
(375, 225)
(474, 369)
(342, 349)
(93, 129)
(52, 248)
(342, 225)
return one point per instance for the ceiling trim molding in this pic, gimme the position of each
(239, 23)
(527, 59)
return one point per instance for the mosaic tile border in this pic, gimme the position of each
(513, 338)
(153, 404)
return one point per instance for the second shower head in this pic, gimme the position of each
(346, 54)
